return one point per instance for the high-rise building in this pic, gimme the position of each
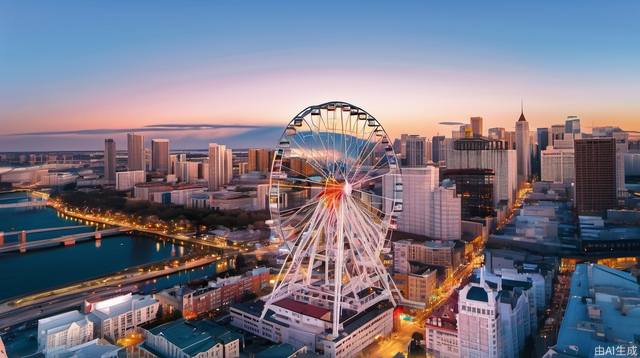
(480, 153)
(465, 131)
(127, 180)
(595, 167)
(476, 126)
(572, 125)
(109, 160)
(510, 139)
(228, 166)
(475, 188)
(523, 149)
(415, 150)
(438, 149)
(497, 133)
(557, 165)
(259, 160)
(135, 152)
(173, 163)
(428, 209)
(188, 172)
(220, 166)
(446, 212)
(543, 142)
(557, 133)
(478, 321)
(160, 155)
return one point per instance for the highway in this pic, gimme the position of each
(17, 311)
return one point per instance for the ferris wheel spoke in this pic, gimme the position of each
(295, 171)
(331, 133)
(367, 179)
(313, 162)
(313, 135)
(361, 159)
(370, 152)
(372, 194)
(291, 216)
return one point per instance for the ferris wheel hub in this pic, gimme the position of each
(347, 188)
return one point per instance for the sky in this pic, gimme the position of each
(115, 66)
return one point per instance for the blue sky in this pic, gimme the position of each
(75, 65)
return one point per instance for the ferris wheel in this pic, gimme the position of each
(335, 192)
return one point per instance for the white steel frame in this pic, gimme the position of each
(338, 234)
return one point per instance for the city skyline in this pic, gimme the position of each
(217, 64)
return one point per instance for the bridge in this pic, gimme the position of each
(62, 240)
(47, 229)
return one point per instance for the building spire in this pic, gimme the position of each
(522, 119)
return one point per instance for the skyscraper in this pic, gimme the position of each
(481, 153)
(595, 166)
(228, 165)
(475, 188)
(428, 209)
(109, 160)
(497, 133)
(414, 150)
(476, 126)
(160, 155)
(572, 125)
(523, 149)
(557, 133)
(557, 165)
(135, 152)
(220, 166)
(543, 142)
(437, 148)
(259, 160)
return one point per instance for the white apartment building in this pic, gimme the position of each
(497, 309)
(57, 179)
(558, 165)
(60, 332)
(118, 316)
(427, 208)
(127, 180)
(446, 213)
(301, 324)
(478, 320)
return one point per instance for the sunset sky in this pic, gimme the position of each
(76, 66)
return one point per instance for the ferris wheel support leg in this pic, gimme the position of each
(337, 296)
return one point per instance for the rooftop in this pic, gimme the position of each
(61, 322)
(603, 309)
(305, 309)
(477, 293)
(277, 351)
(194, 337)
